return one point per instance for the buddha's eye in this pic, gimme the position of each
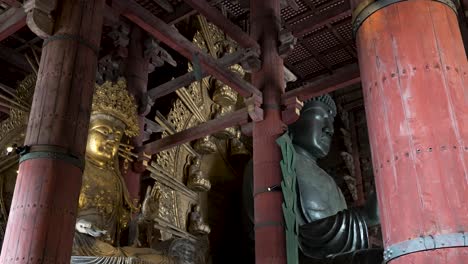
(103, 130)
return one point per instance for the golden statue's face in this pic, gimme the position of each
(103, 139)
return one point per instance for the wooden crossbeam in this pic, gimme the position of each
(342, 78)
(238, 117)
(189, 77)
(15, 58)
(11, 21)
(12, 3)
(171, 37)
(215, 17)
(353, 105)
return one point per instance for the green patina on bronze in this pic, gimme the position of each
(288, 186)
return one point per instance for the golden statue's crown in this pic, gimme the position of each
(113, 99)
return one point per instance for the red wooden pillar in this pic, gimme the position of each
(43, 211)
(414, 78)
(269, 230)
(137, 81)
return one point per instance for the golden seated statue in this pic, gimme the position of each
(229, 132)
(205, 145)
(104, 207)
(196, 181)
(196, 225)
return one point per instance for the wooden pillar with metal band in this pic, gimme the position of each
(137, 81)
(414, 78)
(270, 244)
(43, 211)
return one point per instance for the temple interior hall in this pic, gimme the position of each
(233, 131)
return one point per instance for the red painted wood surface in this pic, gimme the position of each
(137, 81)
(414, 77)
(42, 219)
(270, 244)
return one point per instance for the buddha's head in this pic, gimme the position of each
(113, 115)
(314, 129)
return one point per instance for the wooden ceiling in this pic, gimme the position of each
(322, 27)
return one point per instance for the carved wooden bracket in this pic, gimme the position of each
(253, 104)
(287, 43)
(120, 35)
(109, 68)
(156, 55)
(39, 16)
(251, 61)
(292, 110)
(145, 105)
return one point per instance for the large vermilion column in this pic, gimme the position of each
(269, 231)
(42, 217)
(414, 77)
(137, 81)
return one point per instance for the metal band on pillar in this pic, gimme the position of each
(425, 243)
(363, 13)
(51, 152)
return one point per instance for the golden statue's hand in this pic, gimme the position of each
(151, 203)
(86, 227)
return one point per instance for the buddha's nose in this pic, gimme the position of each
(329, 128)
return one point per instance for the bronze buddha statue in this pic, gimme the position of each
(328, 230)
(104, 207)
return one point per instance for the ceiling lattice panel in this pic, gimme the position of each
(307, 67)
(234, 8)
(299, 54)
(288, 13)
(337, 57)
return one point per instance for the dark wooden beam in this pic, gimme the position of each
(342, 78)
(353, 105)
(12, 3)
(321, 20)
(164, 4)
(217, 18)
(30, 44)
(171, 37)
(238, 117)
(11, 21)
(180, 13)
(152, 126)
(15, 59)
(7, 89)
(189, 77)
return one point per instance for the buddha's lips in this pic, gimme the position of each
(108, 147)
(325, 139)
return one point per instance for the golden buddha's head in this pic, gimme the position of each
(113, 115)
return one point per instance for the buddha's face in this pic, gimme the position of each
(103, 139)
(314, 129)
